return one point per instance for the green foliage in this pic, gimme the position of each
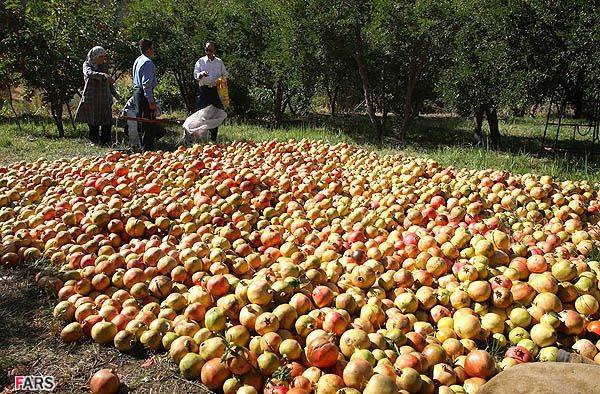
(557, 43)
(48, 41)
(281, 54)
(480, 72)
(513, 54)
(411, 41)
(179, 29)
(268, 45)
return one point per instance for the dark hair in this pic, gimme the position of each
(211, 43)
(145, 44)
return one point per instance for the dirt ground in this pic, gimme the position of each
(29, 345)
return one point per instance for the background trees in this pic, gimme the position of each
(179, 29)
(475, 57)
(479, 79)
(47, 41)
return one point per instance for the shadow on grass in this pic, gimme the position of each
(426, 134)
(355, 127)
(518, 135)
(44, 127)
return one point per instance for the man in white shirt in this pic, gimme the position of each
(206, 71)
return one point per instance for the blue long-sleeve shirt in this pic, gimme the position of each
(144, 76)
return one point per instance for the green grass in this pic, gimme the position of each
(444, 138)
(38, 138)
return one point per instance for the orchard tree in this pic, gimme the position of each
(291, 55)
(240, 31)
(179, 30)
(8, 65)
(49, 41)
(478, 82)
(409, 44)
(398, 49)
(350, 19)
(557, 47)
(333, 52)
(269, 46)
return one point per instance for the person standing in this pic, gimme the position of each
(144, 82)
(207, 70)
(95, 106)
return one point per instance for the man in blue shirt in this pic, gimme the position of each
(144, 82)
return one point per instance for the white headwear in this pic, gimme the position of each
(94, 53)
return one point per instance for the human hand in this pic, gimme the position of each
(109, 79)
(204, 74)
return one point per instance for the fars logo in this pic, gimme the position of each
(34, 382)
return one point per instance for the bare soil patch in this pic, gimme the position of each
(30, 345)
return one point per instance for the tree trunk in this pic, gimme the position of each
(491, 114)
(411, 84)
(519, 112)
(366, 85)
(533, 110)
(385, 110)
(331, 97)
(478, 117)
(187, 92)
(384, 115)
(278, 104)
(71, 118)
(416, 67)
(288, 104)
(56, 107)
(333, 102)
(10, 102)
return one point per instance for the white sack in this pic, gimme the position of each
(196, 127)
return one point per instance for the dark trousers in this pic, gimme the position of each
(207, 96)
(100, 134)
(146, 131)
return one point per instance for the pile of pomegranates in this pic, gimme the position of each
(303, 267)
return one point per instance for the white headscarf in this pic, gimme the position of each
(94, 53)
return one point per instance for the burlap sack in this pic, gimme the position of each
(546, 378)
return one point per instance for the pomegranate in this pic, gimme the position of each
(322, 352)
(104, 381)
(480, 364)
(357, 374)
(213, 373)
(519, 353)
(381, 384)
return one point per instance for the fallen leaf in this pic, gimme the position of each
(148, 363)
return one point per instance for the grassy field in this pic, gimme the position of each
(446, 139)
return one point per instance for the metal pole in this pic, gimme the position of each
(546, 128)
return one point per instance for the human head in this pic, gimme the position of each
(209, 49)
(146, 47)
(96, 55)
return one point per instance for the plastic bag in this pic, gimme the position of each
(130, 111)
(223, 90)
(132, 130)
(196, 127)
(131, 127)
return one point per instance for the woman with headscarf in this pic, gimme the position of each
(95, 107)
